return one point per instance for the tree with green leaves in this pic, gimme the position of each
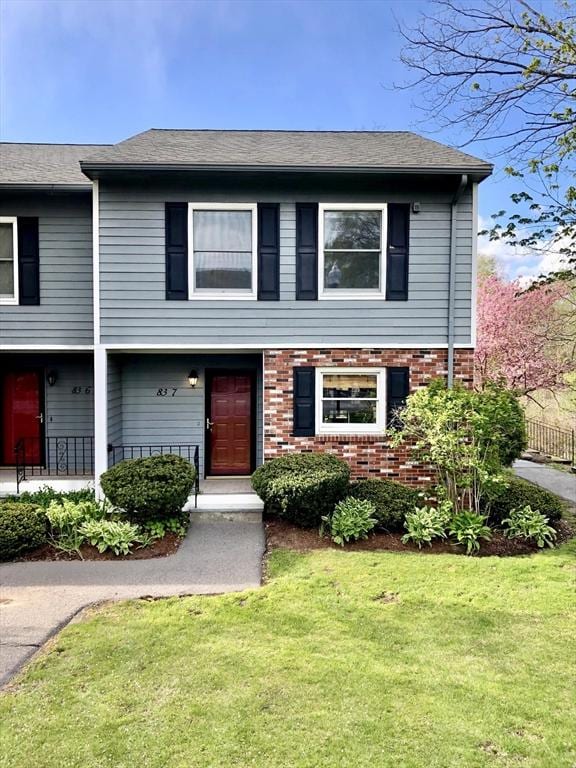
(505, 71)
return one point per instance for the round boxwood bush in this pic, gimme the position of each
(519, 494)
(392, 501)
(302, 487)
(22, 527)
(152, 488)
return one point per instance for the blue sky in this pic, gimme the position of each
(85, 71)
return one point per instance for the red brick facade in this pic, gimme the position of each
(368, 455)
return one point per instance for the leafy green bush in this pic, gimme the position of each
(526, 523)
(302, 487)
(152, 488)
(392, 501)
(66, 519)
(119, 536)
(352, 519)
(468, 528)
(46, 495)
(500, 407)
(424, 524)
(516, 494)
(157, 529)
(22, 527)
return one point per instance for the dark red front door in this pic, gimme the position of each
(21, 415)
(230, 424)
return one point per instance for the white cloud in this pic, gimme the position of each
(524, 264)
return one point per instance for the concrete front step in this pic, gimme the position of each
(233, 502)
(225, 515)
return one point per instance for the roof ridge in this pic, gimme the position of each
(261, 130)
(52, 144)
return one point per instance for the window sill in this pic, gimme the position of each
(348, 296)
(222, 297)
(343, 437)
(9, 302)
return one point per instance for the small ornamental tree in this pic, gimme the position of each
(520, 336)
(465, 436)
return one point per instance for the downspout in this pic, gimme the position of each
(452, 275)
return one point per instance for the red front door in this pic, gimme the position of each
(21, 415)
(230, 424)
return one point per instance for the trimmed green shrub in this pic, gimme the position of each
(352, 519)
(527, 524)
(46, 495)
(22, 527)
(518, 494)
(302, 487)
(468, 528)
(152, 488)
(424, 524)
(392, 501)
(501, 409)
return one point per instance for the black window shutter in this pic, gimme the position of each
(304, 405)
(397, 390)
(268, 252)
(397, 254)
(306, 251)
(176, 234)
(28, 261)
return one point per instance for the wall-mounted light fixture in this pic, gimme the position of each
(193, 378)
(51, 378)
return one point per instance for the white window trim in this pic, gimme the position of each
(12, 300)
(353, 429)
(224, 294)
(352, 294)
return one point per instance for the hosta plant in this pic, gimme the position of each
(467, 528)
(352, 519)
(119, 536)
(425, 524)
(528, 523)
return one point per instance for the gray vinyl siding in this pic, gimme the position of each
(145, 418)
(70, 402)
(134, 308)
(64, 315)
(114, 401)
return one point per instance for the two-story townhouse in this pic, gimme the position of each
(230, 294)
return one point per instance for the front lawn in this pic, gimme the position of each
(343, 659)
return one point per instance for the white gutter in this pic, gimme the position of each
(452, 275)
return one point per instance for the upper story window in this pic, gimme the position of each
(222, 247)
(352, 245)
(8, 260)
(350, 400)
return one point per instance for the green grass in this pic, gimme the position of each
(463, 662)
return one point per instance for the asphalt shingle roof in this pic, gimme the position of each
(44, 163)
(301, 149)
(60, 164)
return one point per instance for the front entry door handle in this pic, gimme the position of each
(40, 418)
(209, 424)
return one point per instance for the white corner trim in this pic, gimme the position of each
(352, 295)
(100, 416)
(12, 300)
(222, 295)
(96, 258)
(474, 293)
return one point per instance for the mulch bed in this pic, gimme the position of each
(283, 535)
(167, 545)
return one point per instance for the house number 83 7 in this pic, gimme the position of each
(166, 391)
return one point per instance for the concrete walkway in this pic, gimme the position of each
(563, 484)
(219, 554)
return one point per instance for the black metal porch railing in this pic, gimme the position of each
(554, 442)
(191, 453)
(67, 456)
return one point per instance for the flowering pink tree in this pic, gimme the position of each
(521, 336)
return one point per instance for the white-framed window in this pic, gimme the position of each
(352, 250)
(350, 400)
(8, 260)
(222, 250)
